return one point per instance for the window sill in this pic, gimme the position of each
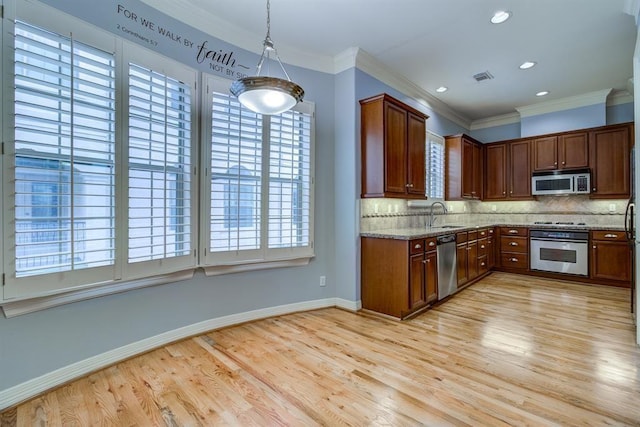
(216, 270)
(17, 308)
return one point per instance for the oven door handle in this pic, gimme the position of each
(535, 239)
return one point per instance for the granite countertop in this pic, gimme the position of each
(422, 232)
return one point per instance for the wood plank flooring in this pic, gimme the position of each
(509, 350)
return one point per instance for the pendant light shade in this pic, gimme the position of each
(264, 94)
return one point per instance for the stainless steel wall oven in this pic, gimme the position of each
(560, 251)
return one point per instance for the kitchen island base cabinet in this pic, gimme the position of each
(399, 278)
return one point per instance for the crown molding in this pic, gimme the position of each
(345, 60)
(598, 97)
(367, 63)
(619, 98)
(501, 120)
(632, 7)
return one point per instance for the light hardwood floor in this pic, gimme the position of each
(509, 350)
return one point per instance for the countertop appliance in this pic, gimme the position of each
(447, 266)
(561, 182)
(560, 251)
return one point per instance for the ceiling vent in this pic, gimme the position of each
(483, 76)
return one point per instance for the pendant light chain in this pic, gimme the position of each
(268, 19)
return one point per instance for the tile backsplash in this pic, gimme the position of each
(379, 214)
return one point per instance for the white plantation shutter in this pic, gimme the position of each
(290, 180)
(435, 166)
(159, 166)
(260, 182)
(236, 176)
(63, 158)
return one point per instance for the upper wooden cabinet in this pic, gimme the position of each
(610, 155)
(464, 167)
(564, 151)
(393, 149)
(508, 171)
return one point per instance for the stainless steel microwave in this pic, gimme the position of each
(559, 182)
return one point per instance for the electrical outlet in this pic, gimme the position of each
(612, 207)
(494, 208)
(323, 280)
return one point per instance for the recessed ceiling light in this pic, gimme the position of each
(500, 16)
(442, 89)
(542, 93)
(527, 64)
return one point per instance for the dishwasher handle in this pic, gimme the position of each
(446, 239)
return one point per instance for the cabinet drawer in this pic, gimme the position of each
(515, 260)
(416, 246)
(473, 235)
(483, 233)
(461, 237)
(430, 244)
(514, 231)
(514, 244)
(482, 265)
(619, 236)
(482, 247)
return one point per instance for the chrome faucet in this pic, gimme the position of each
(432, 220)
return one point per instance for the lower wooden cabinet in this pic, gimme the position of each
(514, 248)
(473, 252)
(610, 257)
(398, 277)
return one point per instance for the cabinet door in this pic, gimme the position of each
(431, 276)
(610, 152)
(545, 153)
(417, 295)
(476, 193)
(573, 150)
(416, 161)
(467, 169)
(461, 257)
(472, 260)
(491, 253)
(610, 261)
(496, 177)
(395, 170)
(520, 170)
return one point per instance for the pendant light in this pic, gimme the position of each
(264, 94)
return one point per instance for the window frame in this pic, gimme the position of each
(244, 260)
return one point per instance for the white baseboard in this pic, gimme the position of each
(32, 388)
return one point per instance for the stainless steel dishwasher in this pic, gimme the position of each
(447, 266)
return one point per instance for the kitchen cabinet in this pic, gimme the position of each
(508, 171)
(563, 151)
(514, 248)
(491, 249)
(610, 154)
(611, 257)
(406, 282)
(393, 144)
(463, 168)
(472, 255)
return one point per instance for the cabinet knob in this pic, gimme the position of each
(424, 261)
(409, 185)
(594, 189)
(514, 260)
(418, 246)
(504, 193)
(431, 244)
(513, 244)
(511, 192)
(482, 264)
(481, 246)
(428, 260)
(564, 163)
(610, 236)
(594, 247)
(513, 231)
(555, 163)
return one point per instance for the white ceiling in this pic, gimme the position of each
(580, 46)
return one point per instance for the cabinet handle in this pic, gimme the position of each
(610, 236)
(428, 260)
(513, 244)
(513, 231)
(409, 185)
(594, 247)
(513, 259)
(555, 163)
(594, 189)
(511, 192)
(482, 264)
(431, 244)
(490, 231)
(424, 261)
(504, 193)
(564, 163)
(481, 246)
(418, 246)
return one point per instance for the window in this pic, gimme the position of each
(435, 166)
(105, 177)
(261, 182)
(64, 154)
